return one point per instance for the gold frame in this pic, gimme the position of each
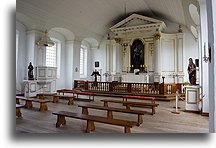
(182, 54)
(31, 84)
(196, 97)
(144, 44)
(174, 54)
(149, 44)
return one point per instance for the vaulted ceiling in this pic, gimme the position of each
(93, 18)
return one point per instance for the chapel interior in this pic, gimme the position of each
(115, 66)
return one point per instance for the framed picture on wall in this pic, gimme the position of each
(97, 64)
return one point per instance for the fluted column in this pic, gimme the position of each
(157, 62)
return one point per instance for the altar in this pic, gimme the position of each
(131, 78)
(141, 43)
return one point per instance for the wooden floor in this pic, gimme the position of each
(33, 121)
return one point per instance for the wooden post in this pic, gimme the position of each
(109, 114)
(90, 126)
(105, 104)
(43, 106)
(17, 101)
(129, 90)
(70, 101)
(86, 85)
(140, 120)
(162, 89)
(28, 104)
(128, 106)
(127, 129)
(85, 110)
(60, 120)
(110, 86)
(55, 99)
(153, 110)
(18, 113)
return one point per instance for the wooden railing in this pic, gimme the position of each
(137, 88)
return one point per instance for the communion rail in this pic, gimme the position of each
(137, 88)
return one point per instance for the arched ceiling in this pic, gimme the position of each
(93, 18)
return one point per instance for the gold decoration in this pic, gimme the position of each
(157, 36)
(180, 29)
(118, 40)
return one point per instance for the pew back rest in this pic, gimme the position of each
(130, 102)
(112, 109)
(96, 118)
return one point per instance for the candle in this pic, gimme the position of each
(205, 49)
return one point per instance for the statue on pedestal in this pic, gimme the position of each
(30, 72)
(95, 74)
(192, 72)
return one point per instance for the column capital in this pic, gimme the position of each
(157, 36)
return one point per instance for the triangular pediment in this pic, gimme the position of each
(136, 20)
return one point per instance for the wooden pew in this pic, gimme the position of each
(91, 119)
(28, 102)
(111, 109)
(152, 99)
(91, 95)
(42, 95)
(129, 104)
(18, 112)
(70, 99)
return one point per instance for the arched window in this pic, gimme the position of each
(53, 55)
(83, 61)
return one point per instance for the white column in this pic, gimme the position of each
(211, 11)
(205, 69)
(199, 78)
(108, 57)
(157, 63)
(68, 64)
(32, 51)
(76, 61)
(116, 57)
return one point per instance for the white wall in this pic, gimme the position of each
(100, 55)
(21, 57)
(190, 45)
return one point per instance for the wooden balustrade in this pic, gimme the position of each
(137, 88)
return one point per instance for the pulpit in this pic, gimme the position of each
(45, 81)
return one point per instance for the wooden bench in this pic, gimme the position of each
(28, 102)
(128, 104)
(111, 109)
(91, 119)
(70, 99)
(42, 95)
(78, 93)
(18, 112)
(139, 98)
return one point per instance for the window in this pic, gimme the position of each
(83, 61)
(17, 41)
(53, 56)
